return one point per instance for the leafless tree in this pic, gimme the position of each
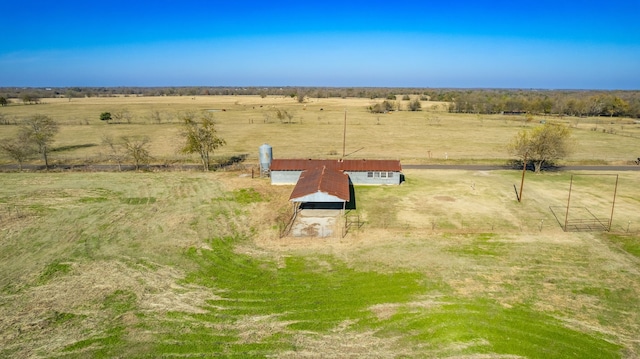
(122, 116)
(18, 149)
(116, 150)
(39, 130)
(284, 116)
(137, 150)
(156, 116)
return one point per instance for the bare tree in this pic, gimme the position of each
(18, 149)
(122, 116)
(200, 137)
(137, 150)
(39, 130)
(283, 115)
(267, 117)
(30, 99)
(301, 96)
(156, 116)
(116, 151)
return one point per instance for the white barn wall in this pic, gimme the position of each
(362, 178)
(285, 177)
(356, 177)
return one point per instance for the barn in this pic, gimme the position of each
(359, 172)
(320, 188)
(324, 186)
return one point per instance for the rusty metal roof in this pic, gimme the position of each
(340, 165)
(322, 180)
(371, 165)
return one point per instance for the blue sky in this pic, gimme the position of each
(463, 44)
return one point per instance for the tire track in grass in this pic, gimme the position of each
(308, 298)
(305, 296)
(459, 328)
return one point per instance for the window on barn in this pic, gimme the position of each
(370, 174)
(376, 174)
(383, 174)
(390, 174)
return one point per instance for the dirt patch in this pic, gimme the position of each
(316, 223)
(384, 311)
(344, 343)
(255, 329)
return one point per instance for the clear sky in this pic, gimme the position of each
(544, 44)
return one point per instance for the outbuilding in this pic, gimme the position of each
(321, 188)
(360, 172)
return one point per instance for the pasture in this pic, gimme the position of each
(188, 264)
(314, 129)
(191, 264)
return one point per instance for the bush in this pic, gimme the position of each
(383, 107)
(105, 116)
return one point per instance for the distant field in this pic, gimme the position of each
(188, 264)
(316, 130)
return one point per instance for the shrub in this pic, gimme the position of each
(415, 105)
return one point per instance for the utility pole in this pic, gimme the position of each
(524, 170)
(344, 134)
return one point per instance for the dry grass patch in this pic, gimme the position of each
(314, 130)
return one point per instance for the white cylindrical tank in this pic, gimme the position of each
(266, 155)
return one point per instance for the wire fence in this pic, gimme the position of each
(547, 224)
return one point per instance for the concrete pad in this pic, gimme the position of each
(316, 223)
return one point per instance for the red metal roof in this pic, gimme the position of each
(340, 165)
(325, 180)
(371, 165)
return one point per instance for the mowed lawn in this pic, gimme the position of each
(187, 264)
(313, 129)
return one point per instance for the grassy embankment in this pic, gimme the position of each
(190, 264)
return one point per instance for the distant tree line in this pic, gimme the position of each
(570, 103)
(479, 101)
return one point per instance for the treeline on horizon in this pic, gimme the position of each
(613, 103)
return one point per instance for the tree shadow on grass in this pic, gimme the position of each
(72, 147)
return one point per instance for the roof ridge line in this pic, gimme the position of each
(324, 168)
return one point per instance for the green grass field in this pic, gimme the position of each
(187, 264)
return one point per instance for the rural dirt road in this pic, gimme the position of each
(494, 167)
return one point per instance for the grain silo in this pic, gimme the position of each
(266, 155)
